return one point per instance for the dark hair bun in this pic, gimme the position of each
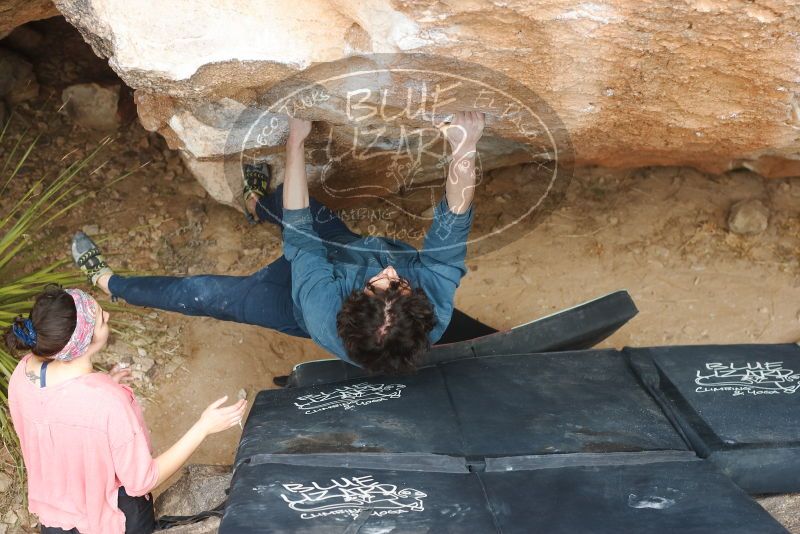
(13, 342)
(54, 317)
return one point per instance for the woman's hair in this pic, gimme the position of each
(386, 332)
(53, 316)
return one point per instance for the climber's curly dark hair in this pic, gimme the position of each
(386, 332)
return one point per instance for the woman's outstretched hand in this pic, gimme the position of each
(121, 374)
(217, 418)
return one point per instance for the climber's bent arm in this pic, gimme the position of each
(463, 134)
(295, 181)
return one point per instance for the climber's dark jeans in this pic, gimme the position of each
(263, 298)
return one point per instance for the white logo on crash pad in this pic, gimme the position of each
(351, 496)
(348, 397)
(758, 378)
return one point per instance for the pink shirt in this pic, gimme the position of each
(81, 440)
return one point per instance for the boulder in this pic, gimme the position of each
(701, 83)
(748, 217)
(17, 80)
(200, 488)
(92, 105)
(14, 13)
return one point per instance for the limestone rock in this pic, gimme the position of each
(704, 83)
(15, 13)
(92, 106)
(748, 217)
(201, 488)
(17, 80)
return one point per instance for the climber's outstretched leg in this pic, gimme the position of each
(264, 298)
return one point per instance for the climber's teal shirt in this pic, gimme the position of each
(325, 273)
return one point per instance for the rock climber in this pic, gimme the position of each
(377, 303)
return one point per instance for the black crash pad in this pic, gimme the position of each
(566, 402)
(556, 403)
(738, 405)
(277, 498)
(403, 414)
(579, 327)
(462, 327)
(686, 496)
(652, 493)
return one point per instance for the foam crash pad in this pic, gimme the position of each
(598, 496)
(631, 493)
(738, 405)
(403, 414)
(579, 327)
(556, 403)
(462, 327)
(279, 498)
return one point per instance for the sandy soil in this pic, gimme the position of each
(659, 233)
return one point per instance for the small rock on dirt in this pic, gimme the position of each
(196, 189)
(92, 105)
(17, 80)
(91, 229)
(10, 518)
(5, 482)
(748, 217)
(144, 364)
(201, 488)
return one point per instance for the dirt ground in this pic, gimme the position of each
(660, 233)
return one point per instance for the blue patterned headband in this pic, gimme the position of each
(27, 334)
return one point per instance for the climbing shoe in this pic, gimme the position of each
(257, 178)
(88, 258)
